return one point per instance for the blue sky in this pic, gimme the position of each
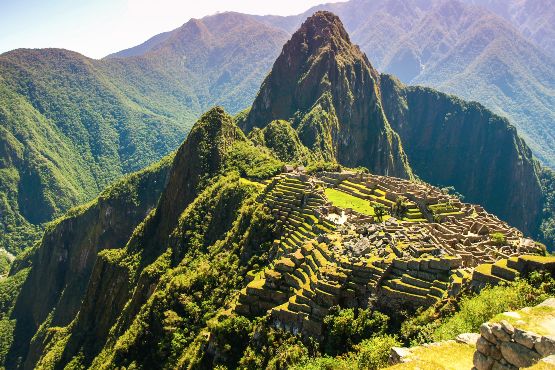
(99, 27)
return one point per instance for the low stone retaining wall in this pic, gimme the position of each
(503, 347)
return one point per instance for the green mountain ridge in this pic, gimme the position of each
(71, 125)
(215, 258)
(335, 106)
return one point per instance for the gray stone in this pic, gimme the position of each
(546, 346)
(483, 346)
(500, 366)
(485, 331)
(398, 354)
(509, 329)
(482, 362)
(518, 355)
(468, 338)
(499, 333)
(550, 302)
(495, 353)
(526, 338)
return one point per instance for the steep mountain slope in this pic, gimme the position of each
(62, 263)
(204, 206)
(70, 125)
(461, 49)
(452, 142)
(329, 91)
(535, 19)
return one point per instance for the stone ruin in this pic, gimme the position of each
(329, 256)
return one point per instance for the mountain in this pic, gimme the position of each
(225, 257)
(535, 19)
(326, 87)
(462, 49)
(456, 143)
(70, 125)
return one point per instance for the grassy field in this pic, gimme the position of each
(446, 356)
(344, 200)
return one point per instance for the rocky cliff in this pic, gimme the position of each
(450, 142)
(327, 88)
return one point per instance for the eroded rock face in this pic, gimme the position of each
(327, 88)
(63, 263)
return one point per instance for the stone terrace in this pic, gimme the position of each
(425, 257)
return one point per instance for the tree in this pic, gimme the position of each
(401, 207)
(379, 211)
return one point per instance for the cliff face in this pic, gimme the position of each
(450, 142)
(326, 87)
(63, 261)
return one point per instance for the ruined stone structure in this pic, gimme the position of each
(423, 251)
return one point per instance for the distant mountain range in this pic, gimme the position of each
(70, 125)
(501, 54)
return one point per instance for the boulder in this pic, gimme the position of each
(398, 355)
(468, 338)
(518, 355)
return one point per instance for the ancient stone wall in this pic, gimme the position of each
(502, 346)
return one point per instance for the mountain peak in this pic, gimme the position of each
(326, 88)
(324, 27)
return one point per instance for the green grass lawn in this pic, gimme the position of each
(344, 200)
(446, 356)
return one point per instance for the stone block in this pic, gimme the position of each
(518, 355)
(507, 327)
(482, 362)
(485, 331)
(546, 346)
(499, 333)
(526, 338)
(468, 338)
(499, 366)
(483, 346)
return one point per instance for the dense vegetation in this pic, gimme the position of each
(70, 125)
(147, 274)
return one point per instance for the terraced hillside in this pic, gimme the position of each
(330, 255)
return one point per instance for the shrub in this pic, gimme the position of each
(347, 327)
(498, 238)
(374, 353)
(494, 300)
